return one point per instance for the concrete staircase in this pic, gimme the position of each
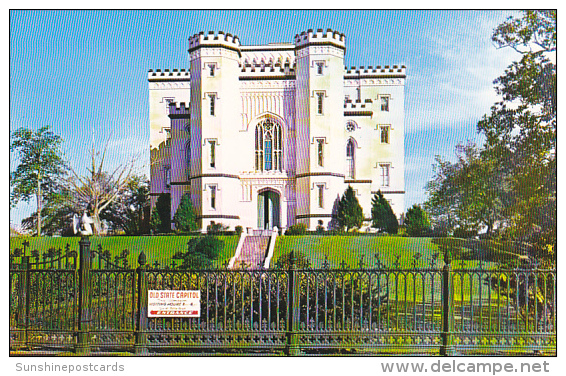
(254, 251)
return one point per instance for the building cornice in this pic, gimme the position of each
(303, 216)
(321, 43)
(216, 45)
(358, 113)
(354, 181)
(180, 183)
(267, 77)
(218, 216)
(300, 176)
(229, 176)
(389, 192)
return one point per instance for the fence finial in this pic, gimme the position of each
(142, 258)
(292, 259)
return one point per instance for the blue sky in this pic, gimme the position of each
(82, 70)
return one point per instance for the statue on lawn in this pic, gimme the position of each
(83, 225)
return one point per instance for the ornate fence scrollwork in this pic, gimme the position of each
(98, 302)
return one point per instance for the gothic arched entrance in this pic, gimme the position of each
(268, 210)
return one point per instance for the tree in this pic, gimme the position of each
(382, 215)
(350, 214)
(40, 169)
(521, 129)
(99, 188)
(416, 222)
(470, 193)
(56, 215)
(128, 212)
(185, 217)
(161, 214)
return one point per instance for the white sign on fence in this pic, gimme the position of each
(173, 303)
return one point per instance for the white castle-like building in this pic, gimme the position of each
(267, 136)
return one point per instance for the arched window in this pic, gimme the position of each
(351, 158)
(268, 146)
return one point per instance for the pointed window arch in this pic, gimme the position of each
(351, 158)
(268, 146)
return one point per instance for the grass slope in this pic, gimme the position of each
(156, 248)
(350, 248)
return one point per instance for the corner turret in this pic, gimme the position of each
(211, 39)
(307, 38)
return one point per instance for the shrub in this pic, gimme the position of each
(416, 222)
(239, 230)
(185, 218)
(201, 252)
(320, 227)
(464, 234)
(297, 229)
(301, 261)
(216, 228)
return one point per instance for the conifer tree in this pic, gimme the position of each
(161, 215)
(350, 214)
(416, 222)
(184, 218)
(382, 215)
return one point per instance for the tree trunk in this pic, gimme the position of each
(39, 206)
(97, 230)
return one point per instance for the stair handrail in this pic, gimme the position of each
(271, 247)
(238, 250)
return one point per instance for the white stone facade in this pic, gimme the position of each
(272, 135)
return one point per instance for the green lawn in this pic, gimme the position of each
(156, 248)
(350, 248)
(315, 247)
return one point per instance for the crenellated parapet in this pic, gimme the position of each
(318, 37)
(271, 68)
(168, 75)
(212, 39)
(177, 110)
(375, 72)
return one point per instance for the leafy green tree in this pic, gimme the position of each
(470, 193)
(521, 129)
(382, 215)
(128, 213)
(512, 179)
(201, 252)
(40, 169)
(161, 215)
(185, 217)
(56, 216)
(350, 214)
(416, 222)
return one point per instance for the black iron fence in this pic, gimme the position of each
(62, 302)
